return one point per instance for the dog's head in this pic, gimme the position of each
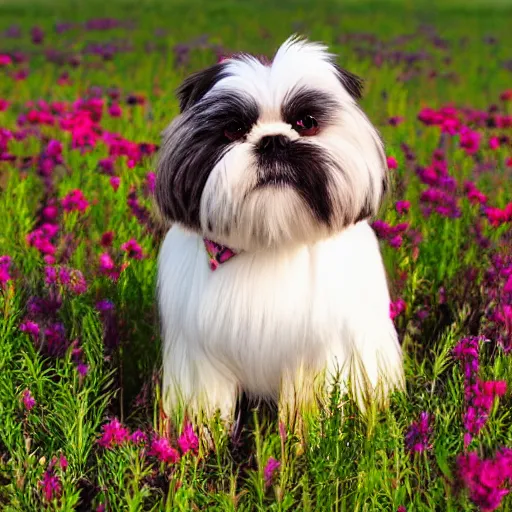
(265, 154)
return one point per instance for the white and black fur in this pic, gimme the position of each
(307, 290)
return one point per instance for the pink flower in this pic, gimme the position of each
(4, 104)
(133, 249)
(114, 182)
(161, 449)
(5, 263)
(150, 182)
(396, 308)
(188, 440)
(139, 437)
(494, 143)
(30, 328)
(115, 110)
(485, 479)
(402, 207)
(63, 462)
(50, 485)
(107, 266)
(5, 60)
(270, 469)
(114, 434)
(392, 162)
(28, 400)
(469, 140)
(75, 201)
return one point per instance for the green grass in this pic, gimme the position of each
(348, 462)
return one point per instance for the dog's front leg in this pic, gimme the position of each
(194, 388)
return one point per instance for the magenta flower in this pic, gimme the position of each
(5, 60)
(133, 249)
(28, 400)
(150, 183)
(30, 328)
(115, 110)
(5, 263)
(392, 162)
(417, 437)
(396, 308)
(469, 140)
(115, 182)
(270, 470)
(138, 437)
(107, 266)
(402, 207)
(75, 201)
(486, 479)
(161, 449)
(63, 462)
(479, 395)
(50, 485)
(114, 434)
(188, 440)
(494, 143)
(70, 279)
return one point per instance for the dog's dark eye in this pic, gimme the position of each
(306, 126)
(234, 131)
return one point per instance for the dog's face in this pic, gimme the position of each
(265, 154)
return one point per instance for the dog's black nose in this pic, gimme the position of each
(271, 143)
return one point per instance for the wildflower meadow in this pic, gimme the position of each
(85, 90)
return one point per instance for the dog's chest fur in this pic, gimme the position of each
(261, 313)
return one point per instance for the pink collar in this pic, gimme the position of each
(217, 253)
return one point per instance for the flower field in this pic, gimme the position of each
(83, 100)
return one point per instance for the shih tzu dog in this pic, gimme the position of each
(270, 277)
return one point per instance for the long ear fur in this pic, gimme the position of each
(197, 85)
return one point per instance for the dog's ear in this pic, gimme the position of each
(352, 83)
(197, 85)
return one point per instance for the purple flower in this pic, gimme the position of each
(417, 437)
(82, 369)
(105, 305)
(270, 469)
(28, 400)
